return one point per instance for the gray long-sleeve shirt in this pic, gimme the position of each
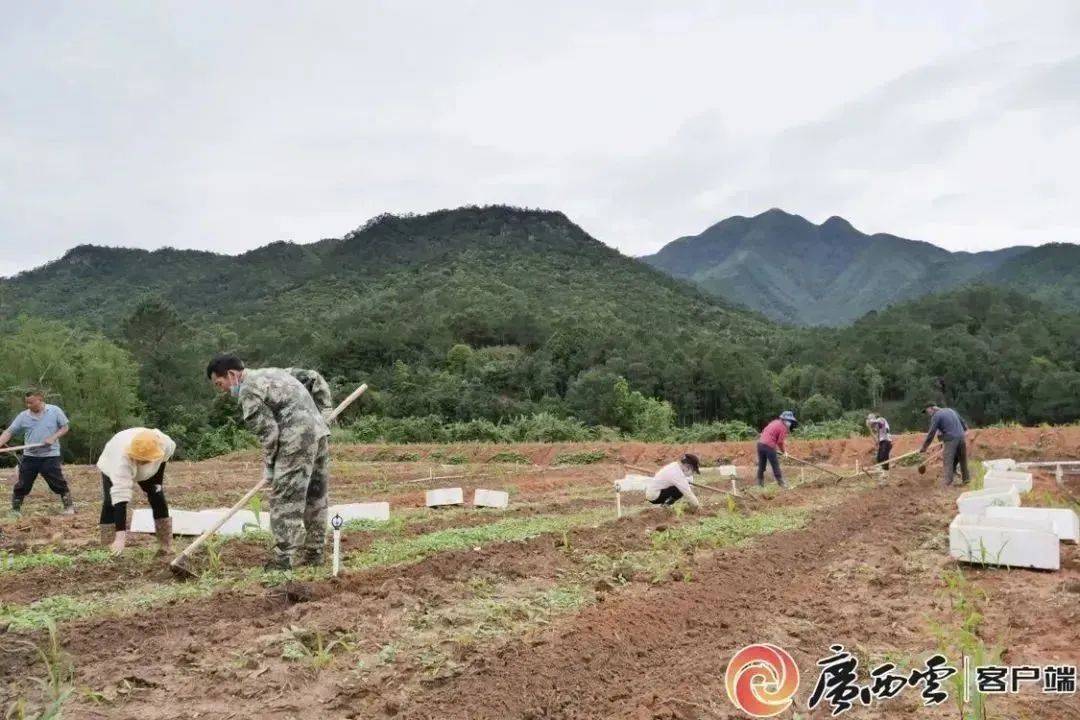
(948, 422)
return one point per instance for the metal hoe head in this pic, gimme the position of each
(180, 570)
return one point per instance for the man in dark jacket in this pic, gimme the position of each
(952, 428)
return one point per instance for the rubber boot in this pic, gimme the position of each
(312, 557)
(108, 534)
(69, 504)
(163, 531)
(16, 507)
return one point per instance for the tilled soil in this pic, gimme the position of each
(867, 571)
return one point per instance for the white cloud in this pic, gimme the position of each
(227, 126)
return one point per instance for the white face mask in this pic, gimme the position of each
(235, 389)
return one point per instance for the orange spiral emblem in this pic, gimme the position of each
(761, 680)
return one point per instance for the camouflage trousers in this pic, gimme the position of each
(298, 501)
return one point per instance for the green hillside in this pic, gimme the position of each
(467, 322)
(830, 274)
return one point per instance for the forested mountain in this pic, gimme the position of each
(996, 355)
(478, 316)
(831, 274)
(472, 313)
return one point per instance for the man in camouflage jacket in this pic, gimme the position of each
(287, 411)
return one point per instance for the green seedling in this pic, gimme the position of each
(255, 506)
(56, 686)
(313, 646)
(388, 654)
(213, 555)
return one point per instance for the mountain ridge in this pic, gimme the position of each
(796, 272)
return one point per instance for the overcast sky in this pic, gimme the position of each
(229, 125)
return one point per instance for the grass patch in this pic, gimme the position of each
(498, 611)
(11, 562)
(1046, 499)
(509, 458)
(387, 455)
(730, 529)
(59, 608)
(384, 553)
(978, 476)
(589, 457)
(394, 526)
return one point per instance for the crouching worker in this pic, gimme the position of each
(136, 456)
(672, 482)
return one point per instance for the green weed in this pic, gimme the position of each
(481, 587)
(963, 640)
(213, 555)
(388, 654)
(978, 481)
(313, 647)
(56, 686)
(10, 562)
(729, 529)
(58, 608)
(509, 458)
(394, 526)
(401, 551)
(589, 457)
(255, 506)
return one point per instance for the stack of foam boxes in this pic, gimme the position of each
(993, 529)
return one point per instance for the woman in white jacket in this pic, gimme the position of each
(136, 456)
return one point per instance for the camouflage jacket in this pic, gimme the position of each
(283, 414)
(316, 386)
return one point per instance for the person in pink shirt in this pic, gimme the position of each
(771, 440)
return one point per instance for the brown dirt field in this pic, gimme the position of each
(867, 570)
(1058, 443)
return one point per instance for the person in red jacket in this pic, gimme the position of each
(772, 439)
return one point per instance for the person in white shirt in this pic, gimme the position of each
(136, 456)
(672, 482)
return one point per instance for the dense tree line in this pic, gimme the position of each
(514, 320)
(996, 356)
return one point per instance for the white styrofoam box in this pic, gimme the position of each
(184, 522)
(491, 498)
(632, 483)
(1000, 464)
(721, 470)
(974, 502)
(1022, 481)
(190, 522)
(445, 496)
(377, 511)
(235, 524)
(1004, 541)
(1065, 522)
